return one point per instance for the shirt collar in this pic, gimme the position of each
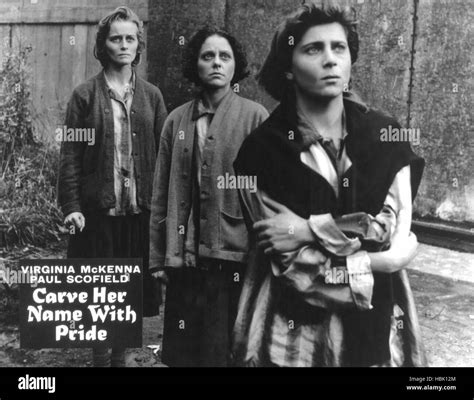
(309, 134)
(131, 86)
(200, 109)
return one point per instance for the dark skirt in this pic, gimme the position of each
(119, 237)
(200, 311)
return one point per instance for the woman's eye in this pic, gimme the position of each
(225, 56)
(312, 50)
(340, 47)
(207, 57)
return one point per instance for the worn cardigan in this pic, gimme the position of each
(86, 172)
(223, 234)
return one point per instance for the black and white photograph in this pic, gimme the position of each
(194, 187)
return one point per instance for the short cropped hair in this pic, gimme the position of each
(191, 55)
(119, 14)
(272, 74)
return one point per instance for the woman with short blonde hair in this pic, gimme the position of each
(104, 189)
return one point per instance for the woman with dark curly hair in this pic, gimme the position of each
(105, 185)
(198, 239)
(330, 236)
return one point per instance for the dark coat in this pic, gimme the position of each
(272, 153)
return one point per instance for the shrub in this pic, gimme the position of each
(28, 213)
(16, 128)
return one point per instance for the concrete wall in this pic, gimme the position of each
(425, 80)
(382, 73)
(415, 63)
(442, 107)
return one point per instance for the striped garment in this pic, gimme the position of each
(125, 185)
(309, 333)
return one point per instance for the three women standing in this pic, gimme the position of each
(322, 172)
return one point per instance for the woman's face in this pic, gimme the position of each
(216, 64)
(122, 43)
(321, 64)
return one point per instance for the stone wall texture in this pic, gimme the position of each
(415, 63)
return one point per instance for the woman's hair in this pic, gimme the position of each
(193, 48)
(119, 14)
(272, 75)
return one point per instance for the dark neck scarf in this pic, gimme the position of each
(272, 154)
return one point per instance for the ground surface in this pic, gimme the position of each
(442, 281)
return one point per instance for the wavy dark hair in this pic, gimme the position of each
(272, 74)
(193, 48)
(103, 29)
